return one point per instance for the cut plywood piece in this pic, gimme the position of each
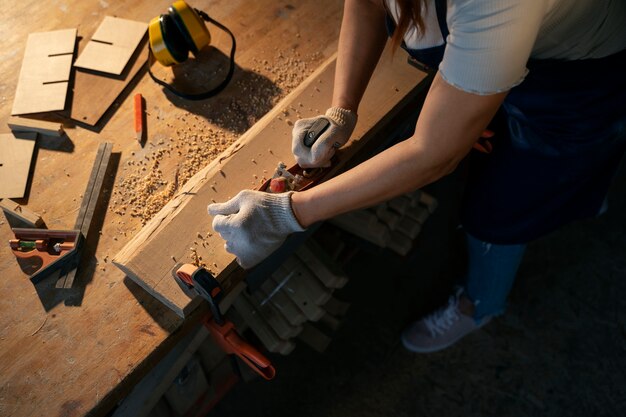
(23, 124)
(15, 158)
(112, 45)
(147, 258)
(44, 77)
(11, 208)
(94, 94)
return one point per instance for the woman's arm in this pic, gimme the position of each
(448, 126)
(361, 42)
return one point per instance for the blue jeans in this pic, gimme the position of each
(491, 272)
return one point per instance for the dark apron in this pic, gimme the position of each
(560, 136)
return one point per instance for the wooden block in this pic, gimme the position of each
(315, 338)
(282, 303)
(330, 321)
(146, 259)
(429, 201)
(304, 281)
(23, 124)
(187, 387)
(400, 205)
(420, 214)
(258, 324)
(149, 390)
(311, 311)
(409, 227)
(44, 77)
(378, 235)
(415, 197)
(11, 208)
(15, 161)
(400, 244)
(274, 318)
(389, 217)
(94, 94)
(336, 307)
(321, 265)
(112, 45)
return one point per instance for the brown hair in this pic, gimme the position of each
(410, 12)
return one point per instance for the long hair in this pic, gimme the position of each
(410, 12)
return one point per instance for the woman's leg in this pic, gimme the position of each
(491, 272)
(490, 275)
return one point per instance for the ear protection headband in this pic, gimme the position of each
(180, 31)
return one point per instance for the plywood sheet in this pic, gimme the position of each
(15, 158)
(112, 45)
(45, 72)
(150, 256)
(94, 94)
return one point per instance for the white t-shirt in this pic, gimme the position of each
(490, 41)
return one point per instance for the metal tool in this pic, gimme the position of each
(60, 250)
(221, 329)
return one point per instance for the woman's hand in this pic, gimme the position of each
(336, 135)
(254, 224)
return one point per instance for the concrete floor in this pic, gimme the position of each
(559, 350)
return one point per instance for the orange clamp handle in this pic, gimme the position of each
(229, 340)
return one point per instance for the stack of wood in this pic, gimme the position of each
(394, 224)
(294, 297)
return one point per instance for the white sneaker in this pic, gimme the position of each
(441, 328)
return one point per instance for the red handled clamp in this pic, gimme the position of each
(222, 330)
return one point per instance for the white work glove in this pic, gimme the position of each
(342, 124)
(254, 224)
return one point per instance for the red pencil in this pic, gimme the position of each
(139, 116)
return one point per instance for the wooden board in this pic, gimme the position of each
(45, 72)
(150, 256)
(11, 208)
(94, 94)
(112, 45)
(23, 124)
(15, 158)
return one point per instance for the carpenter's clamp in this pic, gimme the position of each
(221, 329)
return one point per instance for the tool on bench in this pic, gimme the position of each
(297, 178)
(221, 329)
(60, 250)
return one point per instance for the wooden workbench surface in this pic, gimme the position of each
(77, 352)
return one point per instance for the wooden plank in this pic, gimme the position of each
(23, 124)
(45, 72)
(147, 259)
(22, 213)
(282, 279)
(112, 45)
(94, 94)
(15, 160)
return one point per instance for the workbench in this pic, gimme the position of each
(80, 351)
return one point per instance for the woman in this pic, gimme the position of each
(555, 69)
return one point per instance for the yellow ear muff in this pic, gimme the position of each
(182, 30)
(174, 35)
(190, 24)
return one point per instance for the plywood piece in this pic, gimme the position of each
(11, 208)
(15, 159)
(45, 73)
(23, 124)
(94, 94)
(147, 258)
(112, 45)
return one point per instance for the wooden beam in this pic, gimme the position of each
(22, 213)
(149, 257)
(23, 124)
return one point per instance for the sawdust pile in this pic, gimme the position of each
(178, 149)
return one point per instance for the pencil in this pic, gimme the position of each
(139, 116)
